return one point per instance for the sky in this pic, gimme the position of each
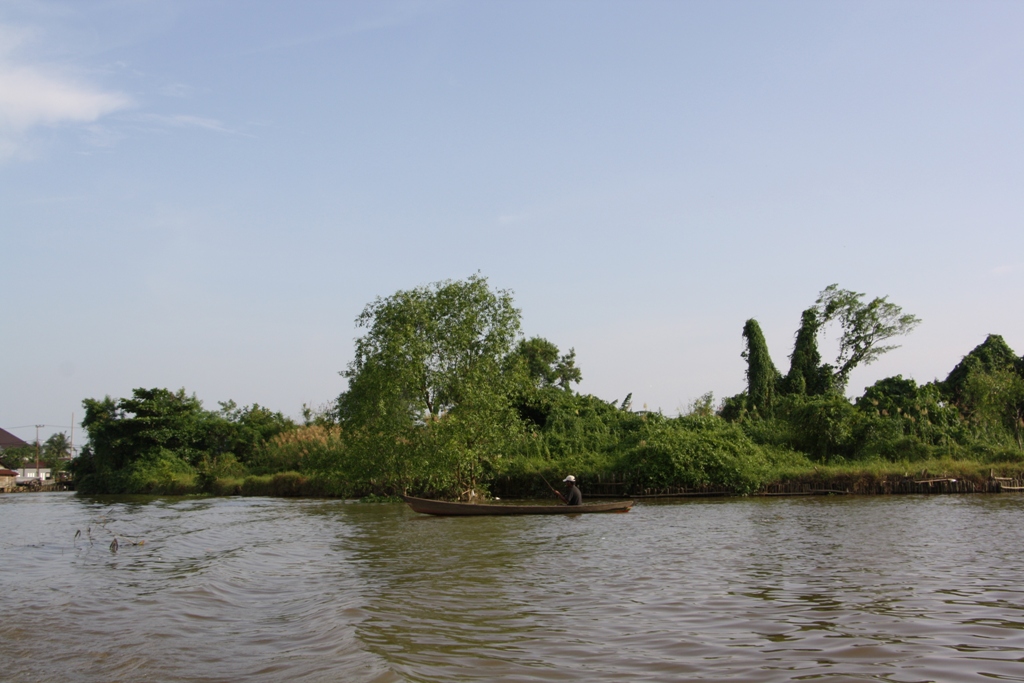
(206, 194)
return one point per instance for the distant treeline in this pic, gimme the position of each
(445, 396)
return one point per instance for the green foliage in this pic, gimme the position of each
(244, 431)
(539, 356)
(695, 451)
(566, 372)
(160, 471)
(160, 441)
(987, 386)
(56, 451)
(428, 350)
(561, 424)
(445, 400)
(864, 327)
(992, 355)
(151, 421)
(282, 484)
(14, 457)
(822, 426)
(993, 405)
(534, 368)
(311, 448)
(807, 374)
(734, 408)
(916, 411)
(762, 377)
(429, 399)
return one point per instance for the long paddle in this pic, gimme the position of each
(560, 496)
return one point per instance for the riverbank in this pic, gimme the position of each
(934, 476)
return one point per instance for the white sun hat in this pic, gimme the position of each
(570, 478)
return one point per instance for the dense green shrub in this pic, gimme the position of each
(695, 452)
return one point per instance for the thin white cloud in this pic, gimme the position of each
(393, 15)
(176, 90)
(32, 95)
(101, 136)
(29, 97)
(184, 121)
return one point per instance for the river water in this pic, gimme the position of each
(225, 589)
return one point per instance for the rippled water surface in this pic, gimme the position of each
(224, 589)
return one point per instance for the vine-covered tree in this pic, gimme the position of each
(762, 377)
(987, 386)
(992, 355)
(807, 374)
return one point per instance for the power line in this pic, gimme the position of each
(40, 426)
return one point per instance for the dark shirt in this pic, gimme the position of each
(574, 497)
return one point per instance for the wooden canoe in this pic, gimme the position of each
(441, 507)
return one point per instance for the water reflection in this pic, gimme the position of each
(901, 589)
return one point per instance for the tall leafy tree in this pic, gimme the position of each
(544, 366)
(865, 325)
(566, 372)
(807, 374)
(762, 377)
(427, 350)
(56, 451)
(429, 387)
(539, 356)
(151, 420)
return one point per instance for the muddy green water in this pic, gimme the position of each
(898, 589)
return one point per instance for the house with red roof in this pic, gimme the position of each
(8, 440)
(7, 479)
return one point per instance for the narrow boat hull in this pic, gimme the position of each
(441, 507)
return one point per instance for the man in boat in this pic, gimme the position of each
(572, 492)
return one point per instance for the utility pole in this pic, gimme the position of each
(37, 451)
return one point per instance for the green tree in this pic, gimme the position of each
(429, 387)
(911, 411)
(762, 377)
(125, 430)
(16, 456)
(993, 404)
(57, 451)
(157, 437)
(540, 357)
(823, 426)
(807, 374)
(864, 327)
(566, 372)
(243, 431)
(543, 364)
(992, 355)
(426, 350)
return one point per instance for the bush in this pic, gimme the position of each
(161, 472)
(310, 448)
(695, 452)
(282, 484)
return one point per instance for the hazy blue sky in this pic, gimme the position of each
(205, 194)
